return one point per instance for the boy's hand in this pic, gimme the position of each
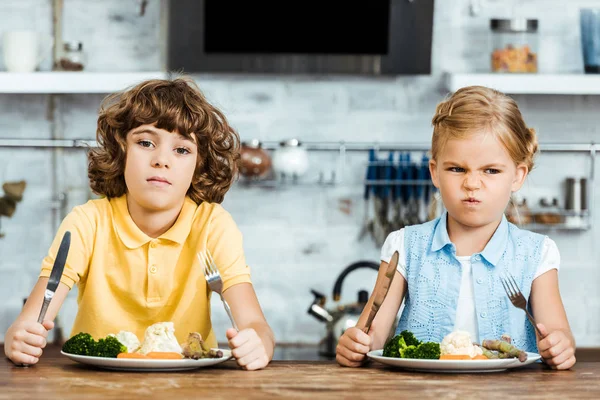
(247, 348)
(25, 340)
(556, 348)
(353, 347)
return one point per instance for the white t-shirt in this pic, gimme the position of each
(466, 317)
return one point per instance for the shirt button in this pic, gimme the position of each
(483, 314)
(153, 269)
(477, 258)
(153, 244)
(479, 280)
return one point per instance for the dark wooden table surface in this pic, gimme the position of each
(56, 377)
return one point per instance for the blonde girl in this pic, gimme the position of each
(449, 271)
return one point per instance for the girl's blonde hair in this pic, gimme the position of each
(474, 109)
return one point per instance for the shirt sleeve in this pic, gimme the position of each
(78, 259)
(225, 243)
(550, 257)
(395, 242)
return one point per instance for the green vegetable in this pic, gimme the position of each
(81, 344)
(406, 345)
(410, 339)
(428, 351)
(393, 346)
(109, 347)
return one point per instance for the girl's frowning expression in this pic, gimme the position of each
(476, 177)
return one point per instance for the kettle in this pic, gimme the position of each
(342, 317)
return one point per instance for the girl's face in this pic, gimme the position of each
(476, 178)
(159, 167)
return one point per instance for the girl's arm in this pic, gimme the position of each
(558, 345)
(384, 320)
(248, 314)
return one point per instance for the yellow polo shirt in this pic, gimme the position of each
(129, 281)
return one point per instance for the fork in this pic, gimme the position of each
(517, 299)
(211, 273)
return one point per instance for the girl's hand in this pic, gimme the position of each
(556, 348)
(353, 347)
(25, 340)
(247, 348)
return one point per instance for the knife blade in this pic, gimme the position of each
(382, 286)
(56, 274)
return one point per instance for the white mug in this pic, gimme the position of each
(23, 51)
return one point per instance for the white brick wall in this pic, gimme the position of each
(297, 238)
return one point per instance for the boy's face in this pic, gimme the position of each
(476, 177)
(159, 167)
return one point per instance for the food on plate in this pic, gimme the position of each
(160, 337)
(156, 355)
(80, 344)
(459, 343)
(132, 355)
(129, 339)
(83, 344)
(456, 345)
(406, 345)
(503, 349)
(195, 348)
(159, 343)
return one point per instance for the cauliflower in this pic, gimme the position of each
(459, 343)
(160, 337)
(129, 339)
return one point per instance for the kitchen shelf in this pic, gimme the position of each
(72, 82)
(566, 84)
(568, 220)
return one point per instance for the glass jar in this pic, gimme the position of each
(72, 58)
(514, 45)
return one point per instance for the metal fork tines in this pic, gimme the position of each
(211, 273)
(517, 299)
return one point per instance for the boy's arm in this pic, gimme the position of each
(25, 338)
(31, 309)
(247, 313)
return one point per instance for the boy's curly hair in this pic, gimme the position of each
(175, 105)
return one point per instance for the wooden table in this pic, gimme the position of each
(56, 377)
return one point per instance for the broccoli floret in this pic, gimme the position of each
(424, 351)
(409, 352)
(393, 346)
(428, 351)
(108, 347)
(409, 338)
(81, 344)
(406, 345)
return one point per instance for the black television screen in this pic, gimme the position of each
(296, 27)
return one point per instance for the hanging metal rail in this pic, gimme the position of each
(313, 146)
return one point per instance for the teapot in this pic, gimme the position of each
(342, 317)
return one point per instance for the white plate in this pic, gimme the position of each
(469, 366)
(137, 364)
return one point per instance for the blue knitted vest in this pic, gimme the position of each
(434, 277)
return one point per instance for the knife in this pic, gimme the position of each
(381, 289)
(56, 274)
